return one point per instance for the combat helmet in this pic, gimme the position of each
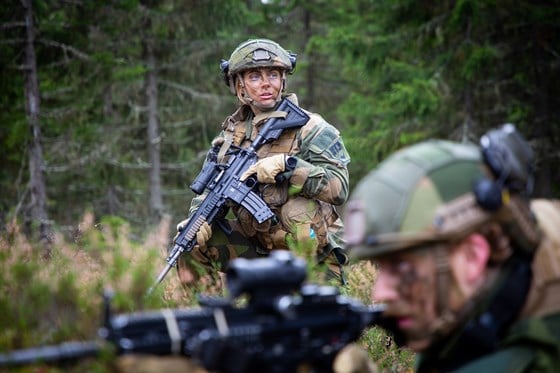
(439, 191)
(255, 53)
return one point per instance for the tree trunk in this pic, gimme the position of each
(310, 78)
(154, 139)
(37, 186)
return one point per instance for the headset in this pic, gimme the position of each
(511, 161)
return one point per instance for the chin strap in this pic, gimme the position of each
(486, 319)
(447, 319)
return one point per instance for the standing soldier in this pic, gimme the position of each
(467, 264)
(304, 203)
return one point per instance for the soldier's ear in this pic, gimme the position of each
(469, 260)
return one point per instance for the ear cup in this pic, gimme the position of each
(224, 68)
(293, 60)
(488, 194)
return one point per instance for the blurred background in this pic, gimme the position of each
(108, 107)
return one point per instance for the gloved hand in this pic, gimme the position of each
(202, 236)
(267, 169)
(353, 359)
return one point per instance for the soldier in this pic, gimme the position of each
(304, 203)
(467, 264)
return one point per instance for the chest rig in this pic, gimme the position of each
(239, 130)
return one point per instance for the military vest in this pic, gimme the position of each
(240, 129)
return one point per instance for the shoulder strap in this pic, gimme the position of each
(544, 297)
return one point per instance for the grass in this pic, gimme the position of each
(45, 301)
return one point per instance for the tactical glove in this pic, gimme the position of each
(267, 168)
(202, 236)
(353, 359)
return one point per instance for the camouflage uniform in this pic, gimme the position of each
(304, 203)
(532, 342)
(438, 192)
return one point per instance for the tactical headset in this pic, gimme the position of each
(511, 161)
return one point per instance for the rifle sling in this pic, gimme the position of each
(173, 330)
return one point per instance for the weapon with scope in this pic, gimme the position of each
(283, 324)
(222, 180)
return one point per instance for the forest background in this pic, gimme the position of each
(110, 106)
(107, 108)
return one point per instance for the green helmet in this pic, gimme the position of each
(256, 53)
(436, 191)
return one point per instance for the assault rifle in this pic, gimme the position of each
(283, 323)
(222, 180)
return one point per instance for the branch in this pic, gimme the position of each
(66, 48)
(190, 91)
(8, 25)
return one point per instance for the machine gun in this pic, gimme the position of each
(222, 180)
(284, 323)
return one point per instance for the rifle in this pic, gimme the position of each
(284, 323)
(222, 180)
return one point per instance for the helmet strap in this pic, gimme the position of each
(240, 91)
(486, 317)
(245, 99)
(442, 277)
(446, 319)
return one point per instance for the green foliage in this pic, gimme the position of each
(387, 74)
(380, 346)
(129, 72)
(57, 299)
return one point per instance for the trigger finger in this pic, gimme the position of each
(251, 170)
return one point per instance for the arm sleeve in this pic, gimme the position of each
(321, 171)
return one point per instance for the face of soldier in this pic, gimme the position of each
(407, 283)
(263, 86)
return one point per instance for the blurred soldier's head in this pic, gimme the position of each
(256, 72)
(442, 221)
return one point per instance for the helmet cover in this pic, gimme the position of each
(255, 53)
(397, 205)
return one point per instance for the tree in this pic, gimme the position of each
(446, 69)
(37, 187)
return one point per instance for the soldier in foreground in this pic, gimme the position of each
(468, 265)
(301, 176)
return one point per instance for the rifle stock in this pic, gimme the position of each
(284, 324)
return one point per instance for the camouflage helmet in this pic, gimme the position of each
(434, 192)
(255, 53)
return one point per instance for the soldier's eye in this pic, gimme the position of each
(254, 77)
(274, 74)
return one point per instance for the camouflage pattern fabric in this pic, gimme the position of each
(258, 53)
(423, 195)
(304, 204)
(532, 344)
(406, 190)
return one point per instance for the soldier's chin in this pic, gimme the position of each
(265, 107)
(418, 343)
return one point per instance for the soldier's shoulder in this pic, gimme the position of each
(318, 126)
(547, 213)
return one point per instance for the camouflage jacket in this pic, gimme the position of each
(532, 342)
(321, 172)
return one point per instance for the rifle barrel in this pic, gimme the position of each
(63, 352)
